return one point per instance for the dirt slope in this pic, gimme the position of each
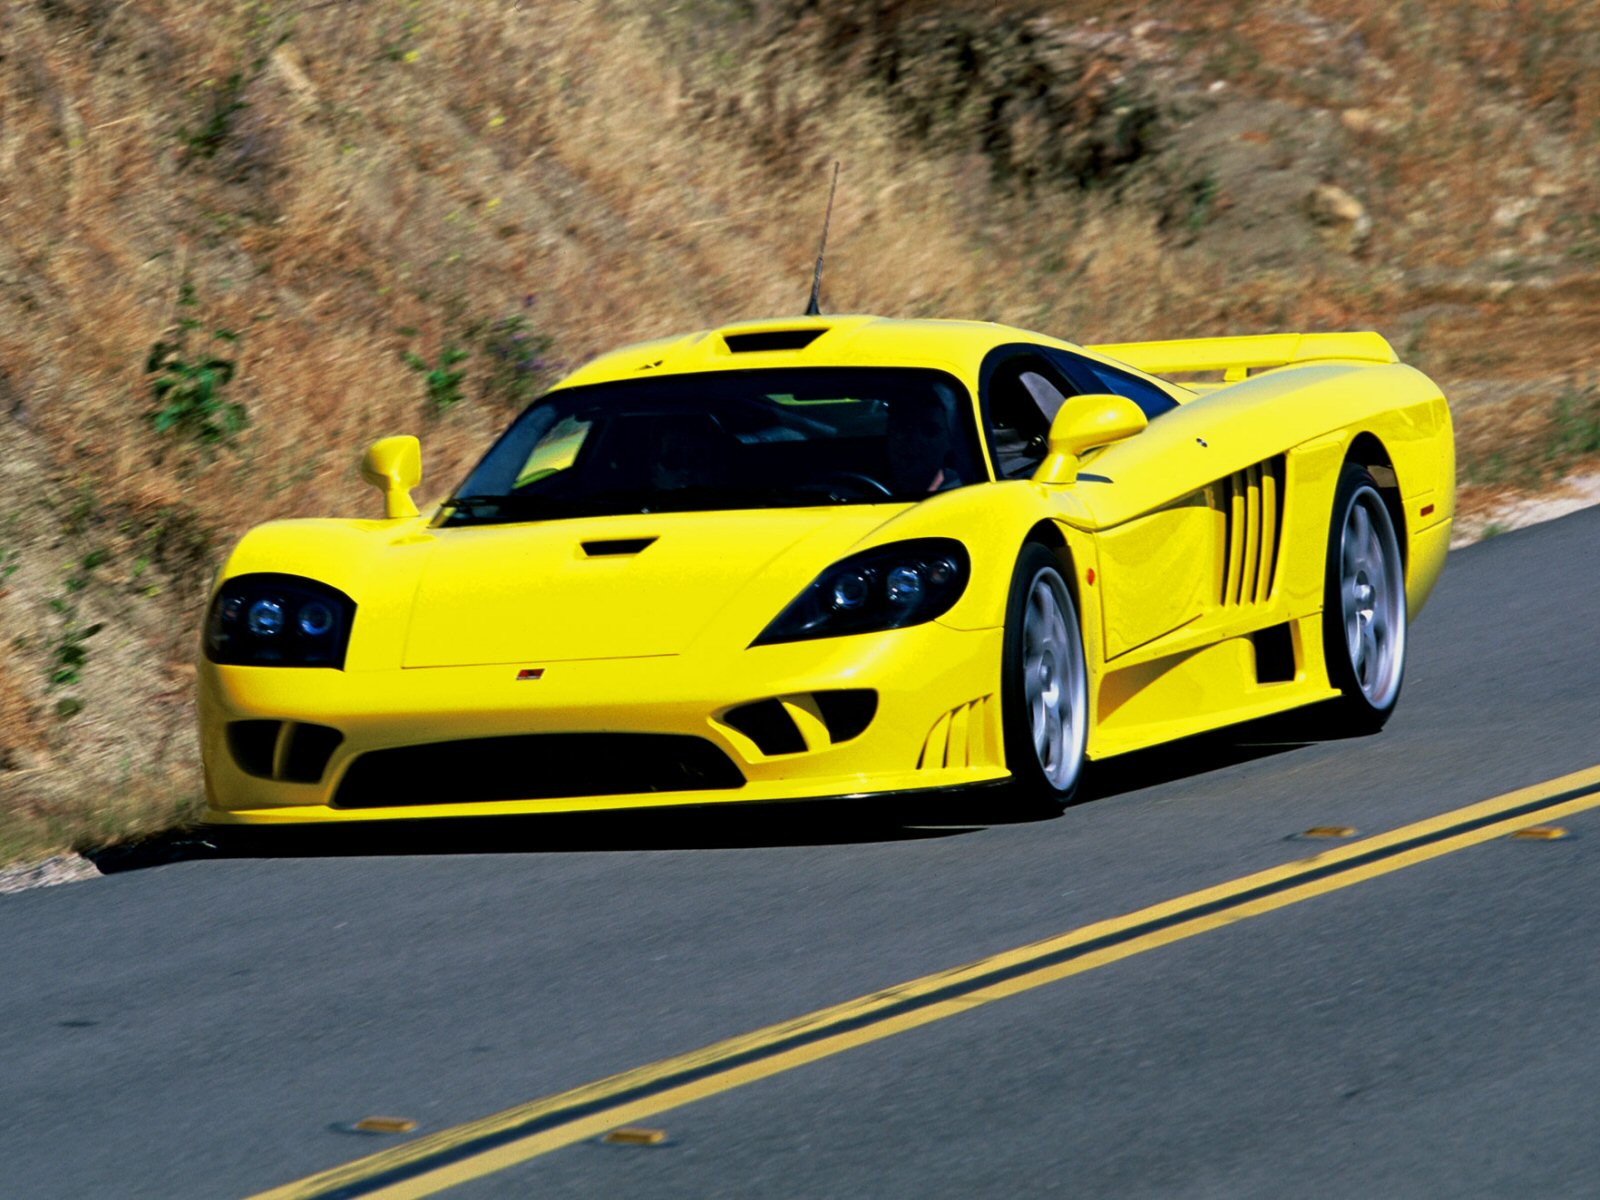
(348, 220)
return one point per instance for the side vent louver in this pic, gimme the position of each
(1251, 502)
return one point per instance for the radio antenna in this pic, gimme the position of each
(813, 309)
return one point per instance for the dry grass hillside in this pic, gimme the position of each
(239, 240)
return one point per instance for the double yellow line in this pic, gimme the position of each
(454, 1156)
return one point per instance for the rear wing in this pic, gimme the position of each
(1236, 357)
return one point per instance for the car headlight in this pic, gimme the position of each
(888, 587)
(268, 620)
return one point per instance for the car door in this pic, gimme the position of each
(1158, 567)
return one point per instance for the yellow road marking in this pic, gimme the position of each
(470, 1151)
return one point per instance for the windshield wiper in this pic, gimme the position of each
(702, 499)
(513, 507)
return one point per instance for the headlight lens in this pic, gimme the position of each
(904, 587)
(316, 619)
(851, 590)
(268, 620)
(889, 587)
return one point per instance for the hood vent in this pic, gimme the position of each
(771, 339)
(615, 546)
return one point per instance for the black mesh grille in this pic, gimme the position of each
(541, 766)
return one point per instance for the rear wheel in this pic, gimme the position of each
(1044, 685)
(1364, 610)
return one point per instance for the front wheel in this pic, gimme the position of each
(1044, 684)
(1364, 610)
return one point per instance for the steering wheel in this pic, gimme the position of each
(861, 484)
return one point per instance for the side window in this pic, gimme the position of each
(1022, 395)
(1098, 377)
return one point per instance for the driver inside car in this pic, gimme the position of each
(918, 439)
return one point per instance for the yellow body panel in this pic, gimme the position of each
(1181, 542)
(1158, 574)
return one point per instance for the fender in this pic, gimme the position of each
(1237, 427)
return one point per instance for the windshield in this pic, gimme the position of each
(725, 440)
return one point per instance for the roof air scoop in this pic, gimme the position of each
(772, 339)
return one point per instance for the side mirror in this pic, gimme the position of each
(1083, 423)
(393, 465)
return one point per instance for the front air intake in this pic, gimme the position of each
(252, 744)
(535, 766)
(847, 712)
(844, 714)
(768, 724)
(288, 751)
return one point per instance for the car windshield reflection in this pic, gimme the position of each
(727, 440)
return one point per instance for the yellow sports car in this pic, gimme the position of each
(838, 557)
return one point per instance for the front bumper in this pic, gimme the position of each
(936, 724)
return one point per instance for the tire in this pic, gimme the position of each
(1044, 693)
(1364, 605)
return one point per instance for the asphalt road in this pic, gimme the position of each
(209, 1024)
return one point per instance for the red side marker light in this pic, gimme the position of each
(1090, 576)
(1427, 510)
(530, 673)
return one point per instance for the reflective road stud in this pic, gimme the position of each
(385, 1125)
(632, 1136)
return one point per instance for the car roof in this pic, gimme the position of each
(833, 341)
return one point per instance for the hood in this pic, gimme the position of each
(618, 586)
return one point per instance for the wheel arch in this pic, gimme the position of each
(1033, 775)
(1048, 534)
(1367, 450)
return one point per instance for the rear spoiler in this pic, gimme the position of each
(1238, 356)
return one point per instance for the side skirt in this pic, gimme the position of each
(1198, 690)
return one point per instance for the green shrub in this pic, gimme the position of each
(442, 380)
(207, 138)
(70, 653)
(517, 370)
(189, 383)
